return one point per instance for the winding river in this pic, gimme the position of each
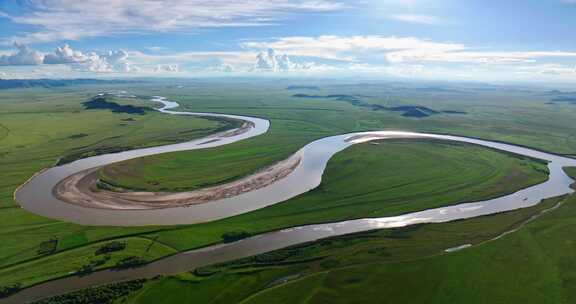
(37, 196)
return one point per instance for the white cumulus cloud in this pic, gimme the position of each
(64, 54)
(24, 56)
(111, 61)
(270, 61)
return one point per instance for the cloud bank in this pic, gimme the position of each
(270, 61)
(24, 56)
(345, 55)
(112, 61)
(72, 19)
(396, 50)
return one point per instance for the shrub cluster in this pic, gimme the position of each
(88, 268)
(48, 247)
(9, 289)
(130, 262)
(111, 247)
(233, 236)
(102, 295)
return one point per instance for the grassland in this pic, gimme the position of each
(164, 173)
(40, 126)
(202, 168)
(413, 176)
(533, 265)
(331, 266)
(361, 267)
(52, 265)
(392, 178)
(571, 171)
(522, 117)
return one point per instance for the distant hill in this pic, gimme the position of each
(301, 87)
(565, 99)
(407, 111)
(53, 83)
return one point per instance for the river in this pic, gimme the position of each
(36, 196)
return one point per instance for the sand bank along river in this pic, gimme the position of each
(38, 196)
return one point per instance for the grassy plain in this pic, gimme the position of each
(381, 180)
(70, 261)
(399, 176)
(361, 267)
(41, 125)
(516, 115)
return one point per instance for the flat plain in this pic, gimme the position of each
(41, 126)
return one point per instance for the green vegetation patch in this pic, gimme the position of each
(384, 179)
(42, 125)
(329, 267)
(571, 171)
(106, 294)
(83, 260)
(48, 246)
(190, 170)
(6, 290)
(111, 247)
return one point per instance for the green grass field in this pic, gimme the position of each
(53, 266)
(403, 176)
(38, 126)
(361, 267)
(393, 178)
(522, 118)
(324, 271)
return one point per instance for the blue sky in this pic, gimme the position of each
(525, 40)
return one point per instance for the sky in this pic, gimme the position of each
(511, 40)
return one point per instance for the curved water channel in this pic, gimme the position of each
(37, 196)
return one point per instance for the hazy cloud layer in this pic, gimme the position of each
(72, 19)
(417, 18)
(349, 48)
(166, 68)
(396, 50)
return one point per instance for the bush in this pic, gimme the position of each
(88, 268)
(9, 289)
(102, 295)
(234, 236)
(130, 262)
(111, 247)
(274, 256)
(207, 271)
(48, 247)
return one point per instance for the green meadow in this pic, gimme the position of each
(360, 268)
(40, 126)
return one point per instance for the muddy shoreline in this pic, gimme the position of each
(82, 189)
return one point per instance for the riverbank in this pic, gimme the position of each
(83, 189)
